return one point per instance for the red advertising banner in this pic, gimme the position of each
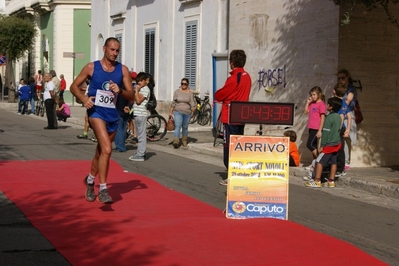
(258, 177)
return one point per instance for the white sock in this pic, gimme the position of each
(90, 179)
(103, 186)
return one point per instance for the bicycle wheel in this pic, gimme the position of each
(217, 132)
(41, 112)
(204, 117)
(194, 117)
(156, 127)
(37, 110)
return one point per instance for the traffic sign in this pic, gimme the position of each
(2, 60)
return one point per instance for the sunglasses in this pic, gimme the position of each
(183, 84)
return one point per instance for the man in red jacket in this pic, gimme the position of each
(236, 88)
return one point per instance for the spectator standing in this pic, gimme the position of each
(63, 111)
(83, 88)
(316, 109)
(39, 83)
(20, 84)
(62, 85)
(49, 101)
(346, 120)
(350, 98)
(123, 107)
(182, 108)
(107, 76)
(236, 88)
(330, 145)
(33, 95)
(24, 97)
(56, 82)
(141, 96)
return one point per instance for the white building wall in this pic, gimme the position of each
(168, 17)
(63, 41)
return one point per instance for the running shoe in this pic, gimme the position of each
(82, 136)
(104, 197)
(137, 158)
(339, 174)
(314, 184)
(90, 196)
(307, 178)
(330, 184)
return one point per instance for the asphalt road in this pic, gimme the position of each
(357, 217)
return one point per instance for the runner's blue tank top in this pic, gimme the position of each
(100, 81)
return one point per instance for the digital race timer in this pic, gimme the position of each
(262, 113)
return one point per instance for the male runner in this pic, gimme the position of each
(107, 77)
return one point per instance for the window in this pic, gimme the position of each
(150, 51)
(191, 53)
(119, 38)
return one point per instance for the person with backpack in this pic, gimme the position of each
(182, 108)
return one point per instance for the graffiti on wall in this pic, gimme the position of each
(272, 78)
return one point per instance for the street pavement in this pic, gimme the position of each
(382, 181)
(20, 237)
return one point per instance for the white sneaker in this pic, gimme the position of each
(307, 178)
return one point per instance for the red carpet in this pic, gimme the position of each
(152, 225)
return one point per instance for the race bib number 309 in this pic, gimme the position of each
(105, 99)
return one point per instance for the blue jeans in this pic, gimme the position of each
(120, 136)
(32, 105)
(181, 123)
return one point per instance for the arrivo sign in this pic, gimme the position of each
(2, 60)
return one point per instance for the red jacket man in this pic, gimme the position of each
(236, 88)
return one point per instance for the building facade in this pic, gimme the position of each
(63, 32)
(169, 39)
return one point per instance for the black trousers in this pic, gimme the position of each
(341, 153)
(230, 130)
(23, 106)
(50, 112)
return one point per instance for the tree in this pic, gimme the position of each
(350, 6)
(17, 35)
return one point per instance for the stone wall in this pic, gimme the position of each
(368, 48)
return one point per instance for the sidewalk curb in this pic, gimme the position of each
(356, 183)
(374, 188)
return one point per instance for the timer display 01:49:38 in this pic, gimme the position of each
(262, 113)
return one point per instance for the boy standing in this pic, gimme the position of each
(330, 144)
(24, 97)
(142, 94)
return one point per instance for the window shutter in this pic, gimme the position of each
(119, 38)
(150, 51)
(191, 53)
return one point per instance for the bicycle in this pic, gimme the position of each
(39, 104)
(155, 127)
(203, 113)
(217, 132)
